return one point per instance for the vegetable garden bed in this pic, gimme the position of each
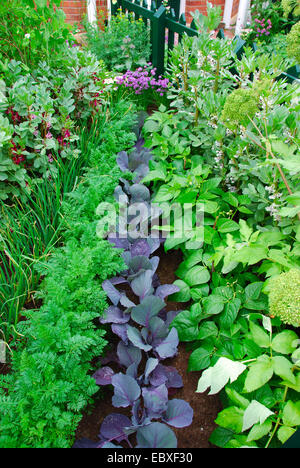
(150, 262)
(205, 407)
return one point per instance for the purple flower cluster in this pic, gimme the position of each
(263, 27)
(143, 79)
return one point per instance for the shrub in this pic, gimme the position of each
(124, 44)
(31, 31)
(39, 114)
(293, 42)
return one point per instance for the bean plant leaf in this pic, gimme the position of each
(284, 433)
(197, 275)
(259, 430)
(285, 342)
(184, 295)
(231, 418)
(260, 337)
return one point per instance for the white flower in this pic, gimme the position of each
(27, 36)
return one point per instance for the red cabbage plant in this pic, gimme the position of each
(143, 383)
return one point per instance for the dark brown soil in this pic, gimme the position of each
(205, 407)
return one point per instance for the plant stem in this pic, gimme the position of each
(278, 419)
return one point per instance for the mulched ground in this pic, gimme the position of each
(205, 407)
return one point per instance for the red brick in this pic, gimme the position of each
(76, 9)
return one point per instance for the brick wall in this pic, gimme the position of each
(235, 7)
(192, 5)
(76, 9)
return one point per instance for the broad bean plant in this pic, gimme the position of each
(39, 115)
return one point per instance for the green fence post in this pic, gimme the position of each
(158, 40)
(175, 5)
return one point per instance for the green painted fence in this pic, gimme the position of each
(162, 20)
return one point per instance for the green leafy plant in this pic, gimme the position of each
(123, 44)
(293, 42)
(50, 384)
(33, 31)
(239, 165)
(39, 115)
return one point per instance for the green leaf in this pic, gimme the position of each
(250, 254)
(259, 430)
(283, 368)
(236, 398)
(217, 377)
(165, 193)
(230, 313)
(227, 225)
(186, 323)
(284, 433)
(207, 329)
(199, 292)
(151, 126)
(197, 275)
(221, 436)
(260, 337)
(259, 374)
(199, 359)
(231, 418)
(184, 295)
(193, 258)
(255, 413)
(285, 342)
(253, 290)
(291, 414)
(213, 304)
